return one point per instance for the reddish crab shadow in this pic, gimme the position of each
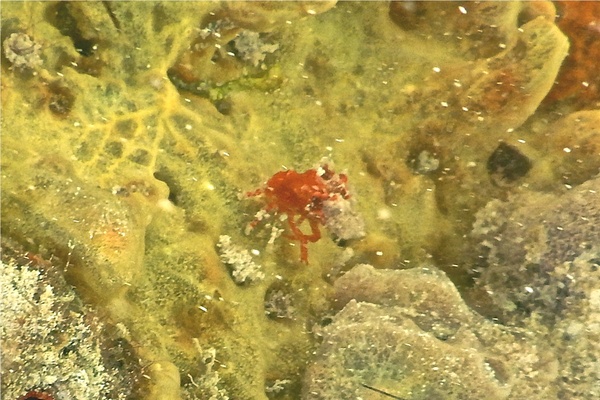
(302, 196)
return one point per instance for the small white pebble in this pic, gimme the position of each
(462, 10)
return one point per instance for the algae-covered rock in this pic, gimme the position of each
(575, 146)
(53, 344)
(541, 255)
(409, 333)
(529, 244)
(134, 131)
(576, 336)
(369, 346)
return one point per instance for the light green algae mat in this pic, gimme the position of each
(133, 131)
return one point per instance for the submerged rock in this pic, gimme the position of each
(51, 343)
(529, 246)
(541, 261)
(410, 334)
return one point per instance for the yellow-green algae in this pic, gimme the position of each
(133, 177)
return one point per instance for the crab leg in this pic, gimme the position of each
(303, 238)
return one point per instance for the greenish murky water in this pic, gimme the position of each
(284, 200)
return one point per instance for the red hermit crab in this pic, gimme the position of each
(302, 196)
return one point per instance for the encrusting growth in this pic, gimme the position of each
(21, 51)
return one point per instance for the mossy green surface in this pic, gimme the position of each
(114, 160)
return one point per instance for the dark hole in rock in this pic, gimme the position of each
(342, 243)
(112, 15)
(529, 13)
(407, 14)
(224, 106)
(61, 100)
(326, 321)
(160, 18)
(174, 188)
(60, 15)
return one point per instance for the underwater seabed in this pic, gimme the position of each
(300, 200)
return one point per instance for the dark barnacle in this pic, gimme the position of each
(507, 164)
